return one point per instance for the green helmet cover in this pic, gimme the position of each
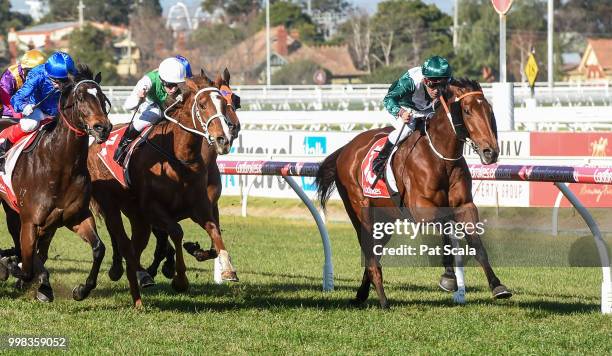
(436, 67)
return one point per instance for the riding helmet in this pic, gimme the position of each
(171, 70)
(60, 65)
(32, 59)
(185, 62)
(436, 67)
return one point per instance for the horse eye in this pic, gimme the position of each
(466, 111)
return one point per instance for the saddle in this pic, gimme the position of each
(26, 144)
(108, 148)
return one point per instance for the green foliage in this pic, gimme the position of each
(285, 13)
(384, 75)
(300, 72)
(93, 47)
(234, 9)
(115, 12)
(215, 38)
(406, 32)
(9, 19)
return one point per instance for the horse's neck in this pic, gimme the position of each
(185, 145)
(442, 135)
(67, 147)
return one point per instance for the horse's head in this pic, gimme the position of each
(233, 102)
(84, 106)
(210, 109)
(471, 108)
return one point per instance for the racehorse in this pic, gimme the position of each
(53, 188)
(431, 174)
(163, 249)
(168, 183)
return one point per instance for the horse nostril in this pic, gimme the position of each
(220, 140)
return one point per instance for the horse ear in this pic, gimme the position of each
(218, 81)
(226, 76)
(205, 77)
(98, 78)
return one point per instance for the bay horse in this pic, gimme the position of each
(163, 250)
(168, 183)
(53, 187)
(431, 174)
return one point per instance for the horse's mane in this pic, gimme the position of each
(466, 83)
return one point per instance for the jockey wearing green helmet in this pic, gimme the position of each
(414, 92)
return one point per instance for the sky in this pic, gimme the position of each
(370, 5)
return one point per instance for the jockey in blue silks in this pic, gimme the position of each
(39, 96)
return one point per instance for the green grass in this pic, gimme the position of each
(278, 305)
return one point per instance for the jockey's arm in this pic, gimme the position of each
(24, 96)
(402, 88)
(7, 83)
(132, 101)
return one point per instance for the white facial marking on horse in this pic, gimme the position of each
(93, 91)
(216, 99)
(479, 101)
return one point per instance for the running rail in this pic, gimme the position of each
(559, 175)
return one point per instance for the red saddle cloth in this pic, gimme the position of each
(108, 149)
(380, 190)
(6, 179)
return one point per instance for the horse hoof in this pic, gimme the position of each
(4, 269)
(180, 284)
(116, 271)
(501, 292)
(144, 279)
(21, 285)
(152, 271)
(448, 283)
(229, 276)
(168, 269)
(44, 294)
(138, 304)
(80, 292)
(384, 304)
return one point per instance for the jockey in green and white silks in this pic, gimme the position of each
(414, 92)
(153, 88)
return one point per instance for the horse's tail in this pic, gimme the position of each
(326, 177)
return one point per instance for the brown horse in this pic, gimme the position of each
(168, 183)
(53, 187)
(431, 174)
(163, 249)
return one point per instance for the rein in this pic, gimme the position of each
(454, 126)
(78, 132)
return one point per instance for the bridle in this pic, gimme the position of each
(457, 124)
(195, 114)
(86, 130)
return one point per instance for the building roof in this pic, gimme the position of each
(47, 27)
(336, 59)
(602, 49)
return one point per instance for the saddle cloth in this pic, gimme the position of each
(6, 183)
(381, 189)
(108, 148)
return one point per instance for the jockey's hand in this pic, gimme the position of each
(406, 116)
(28, 110)
(143, 93)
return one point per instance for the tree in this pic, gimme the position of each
(94, 47)
(584, 16)
(235, 10)
(356, 32)
(407, 31)
(152, 39)
(10, 19)
(116, 12)
(339, 6)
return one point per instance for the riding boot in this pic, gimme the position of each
(128, 137)
(4, 147)
(378, 164)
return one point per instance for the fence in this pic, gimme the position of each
(557, 175)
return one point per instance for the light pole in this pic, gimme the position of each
(268, 72)
(456, 25)
(550, 42)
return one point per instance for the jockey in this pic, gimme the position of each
(153, 88)
(37, 98)
(414, 92)
(185, 62)
(13, 78)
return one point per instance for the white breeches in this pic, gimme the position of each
(148, 114)
(31, 122)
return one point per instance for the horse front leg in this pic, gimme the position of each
(203, 216)
(468, 213)
(163, 251)
(86, 228)
(448, 280)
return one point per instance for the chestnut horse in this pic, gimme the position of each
(431, 174)
(163, 249)
(168, 183)
(53, 187)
